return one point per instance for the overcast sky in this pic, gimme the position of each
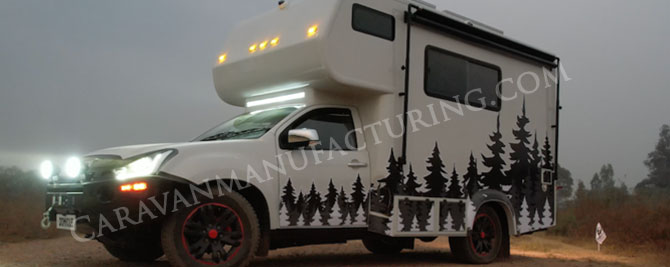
(76, 76)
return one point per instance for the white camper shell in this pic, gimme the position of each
(389, 63)
(377, 120)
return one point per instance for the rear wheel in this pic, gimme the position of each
(222, 232)
(483, 243)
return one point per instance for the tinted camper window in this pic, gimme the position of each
(373, 22)
(461, 79)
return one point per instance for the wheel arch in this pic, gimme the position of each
(501, 204)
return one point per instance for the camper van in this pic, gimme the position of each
(390, 122)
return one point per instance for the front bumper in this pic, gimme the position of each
(101, 207)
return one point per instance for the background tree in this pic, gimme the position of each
(471, 178)
(495, 176)
(580, 193)
(607, 177)
(596, 183)
(435, 181)
(565, 183)
(658, 163)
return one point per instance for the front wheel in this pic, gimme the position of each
(221, 232)
(483, 243)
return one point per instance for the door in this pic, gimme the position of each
(325, 185)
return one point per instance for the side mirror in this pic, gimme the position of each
(303, 138)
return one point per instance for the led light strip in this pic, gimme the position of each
(273, 100)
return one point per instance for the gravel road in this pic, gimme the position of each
(529, 251)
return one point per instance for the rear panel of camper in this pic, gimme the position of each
(469, 148)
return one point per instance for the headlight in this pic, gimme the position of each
(73, 167)
(47, 169)
(141, 167)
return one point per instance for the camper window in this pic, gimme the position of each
(335, 127)
(373, 22)
(461, 79)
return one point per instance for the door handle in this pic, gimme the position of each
(357, 164)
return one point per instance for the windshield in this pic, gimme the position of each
(247, 126)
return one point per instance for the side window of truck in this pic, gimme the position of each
(373, 22)
(334, 125)
(461, 79)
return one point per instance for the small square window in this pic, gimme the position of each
(373, 22)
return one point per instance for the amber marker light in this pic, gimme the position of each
(274, 41)
(135, 187)
(263, 45)
(222, 58)
(253, 48)
(312, 31)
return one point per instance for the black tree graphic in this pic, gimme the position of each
(407, 213)
(288, 196)
(297, 211)
(313, 205)
(435, 181)
(520, 158)
(423, 213)
(548, 164)
(495, 176)
(343, 202)
(455, 189)
(411, 184)
(394, 178)
(471, 177)
(534, 184)
(358, 195)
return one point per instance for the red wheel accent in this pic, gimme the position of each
(483, 235)
(214, 230)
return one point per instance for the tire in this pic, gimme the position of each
(134, 251)
(383, 245)
(227, 224)
(483, 243)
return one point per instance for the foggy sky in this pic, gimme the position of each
(76, 76)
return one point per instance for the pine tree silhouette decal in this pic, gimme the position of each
(357, 195)
(283, 215)
(455, 190)
(520, 157)
(423, 214)
(407, 213)
(313, 205)
(330, 199)
(296, 217)
(495, 176)
(394, 178)
(448, 225)
(335, 216)
(331, 196)
(444, 214)
(534, 184)
(435, 181)
(411, 185)
(524, 223)
(343, 202)
(548, 215)
(288, 196)
(471, 178)
(548, 164)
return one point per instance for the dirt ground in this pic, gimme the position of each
(532, 251)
